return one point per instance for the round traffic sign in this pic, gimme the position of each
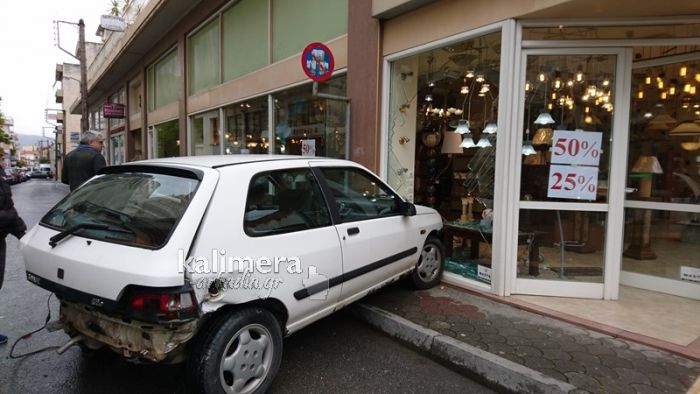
(317, 61)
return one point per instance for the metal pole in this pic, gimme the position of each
(84, 120)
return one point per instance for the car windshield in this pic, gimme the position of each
(139, 209)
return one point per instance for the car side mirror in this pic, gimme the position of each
(408, 209)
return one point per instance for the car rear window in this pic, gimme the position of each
(141, 209)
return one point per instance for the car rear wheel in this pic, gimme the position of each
(430, 266)
(237, 353)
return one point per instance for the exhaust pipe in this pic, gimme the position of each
(71, 342)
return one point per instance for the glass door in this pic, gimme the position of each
(571, 107)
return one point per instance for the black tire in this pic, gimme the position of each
(430, 265)
(256, 362)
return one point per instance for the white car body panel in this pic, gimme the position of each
(104, 268)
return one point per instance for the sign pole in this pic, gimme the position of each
(82, 59)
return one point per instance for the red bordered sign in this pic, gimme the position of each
(317, 61)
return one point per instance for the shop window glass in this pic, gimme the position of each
(664, 145)
(295, 23)
(168, 139)
(246, 127)
(204, 57)
(204, 137)
(561, 245)
(611, 32)
(117, 149)
(284, 201)
(564, 96)
(246, 19)
(442, 142)
(311, 126)
(163, 80)
(671, 239)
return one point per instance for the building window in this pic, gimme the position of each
(167, 139)
(204, 138)
(311, 126)
(117, 149)
(246, 127)
(248, 18)
(295, 23)
(204, 57)
(118, 98)
(163, 78)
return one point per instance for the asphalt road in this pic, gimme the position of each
(337, 354)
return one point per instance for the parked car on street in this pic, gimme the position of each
(39, 174)
(214, 259)
(9, 176)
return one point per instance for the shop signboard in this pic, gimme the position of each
(317, 61)
(74, 136)
(575, 159)
(113, 110)
(308, 147)
(576, 147)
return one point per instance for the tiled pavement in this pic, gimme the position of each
(591, 361)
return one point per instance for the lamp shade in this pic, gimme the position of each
(544, 118)
(491, 128)
(686, 128)
(528, 149)
(647, 165)
(483, 142)
(450, 143)
(467, 142)
(463, 127)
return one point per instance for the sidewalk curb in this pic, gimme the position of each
(490, 367)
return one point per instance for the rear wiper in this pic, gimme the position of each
(53, 241)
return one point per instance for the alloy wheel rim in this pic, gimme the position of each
(429, 264)
(246, 360)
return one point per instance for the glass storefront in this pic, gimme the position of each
(246, 127)
(311, 126)
(117, 149)
(442, 137)
(204, 137)
(167, 139)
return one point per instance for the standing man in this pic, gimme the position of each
(84, 162)
(10, 223)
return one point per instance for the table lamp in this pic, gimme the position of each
(640, 242)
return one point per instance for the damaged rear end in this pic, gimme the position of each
(111, 251)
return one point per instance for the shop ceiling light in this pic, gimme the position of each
(451, 142)
(483, 142)
(491, 128)
(528, 149)
(686, 128)
(544, 118)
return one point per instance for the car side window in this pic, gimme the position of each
(359, 195)
(284, 201)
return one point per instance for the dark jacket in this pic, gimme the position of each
(10, 223)
(81, 165)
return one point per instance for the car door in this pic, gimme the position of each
(377, 240)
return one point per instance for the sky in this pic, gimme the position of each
(29, 54)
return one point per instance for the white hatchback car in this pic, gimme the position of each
(214, 259)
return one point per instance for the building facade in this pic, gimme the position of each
(559, 139)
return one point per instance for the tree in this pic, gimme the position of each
(44, 160)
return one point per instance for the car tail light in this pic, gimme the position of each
(159, 306)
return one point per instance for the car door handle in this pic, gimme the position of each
(353, 231)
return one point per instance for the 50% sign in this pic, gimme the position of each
(573, 182)
(576, 147)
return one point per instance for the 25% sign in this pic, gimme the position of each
(573, 182)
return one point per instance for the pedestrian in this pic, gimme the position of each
(10, 223)
(84, 162)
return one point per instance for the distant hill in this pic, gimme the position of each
(32, 139)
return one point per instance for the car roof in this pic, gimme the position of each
(215, 161)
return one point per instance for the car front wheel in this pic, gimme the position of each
(431, 263)
(237, 353)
